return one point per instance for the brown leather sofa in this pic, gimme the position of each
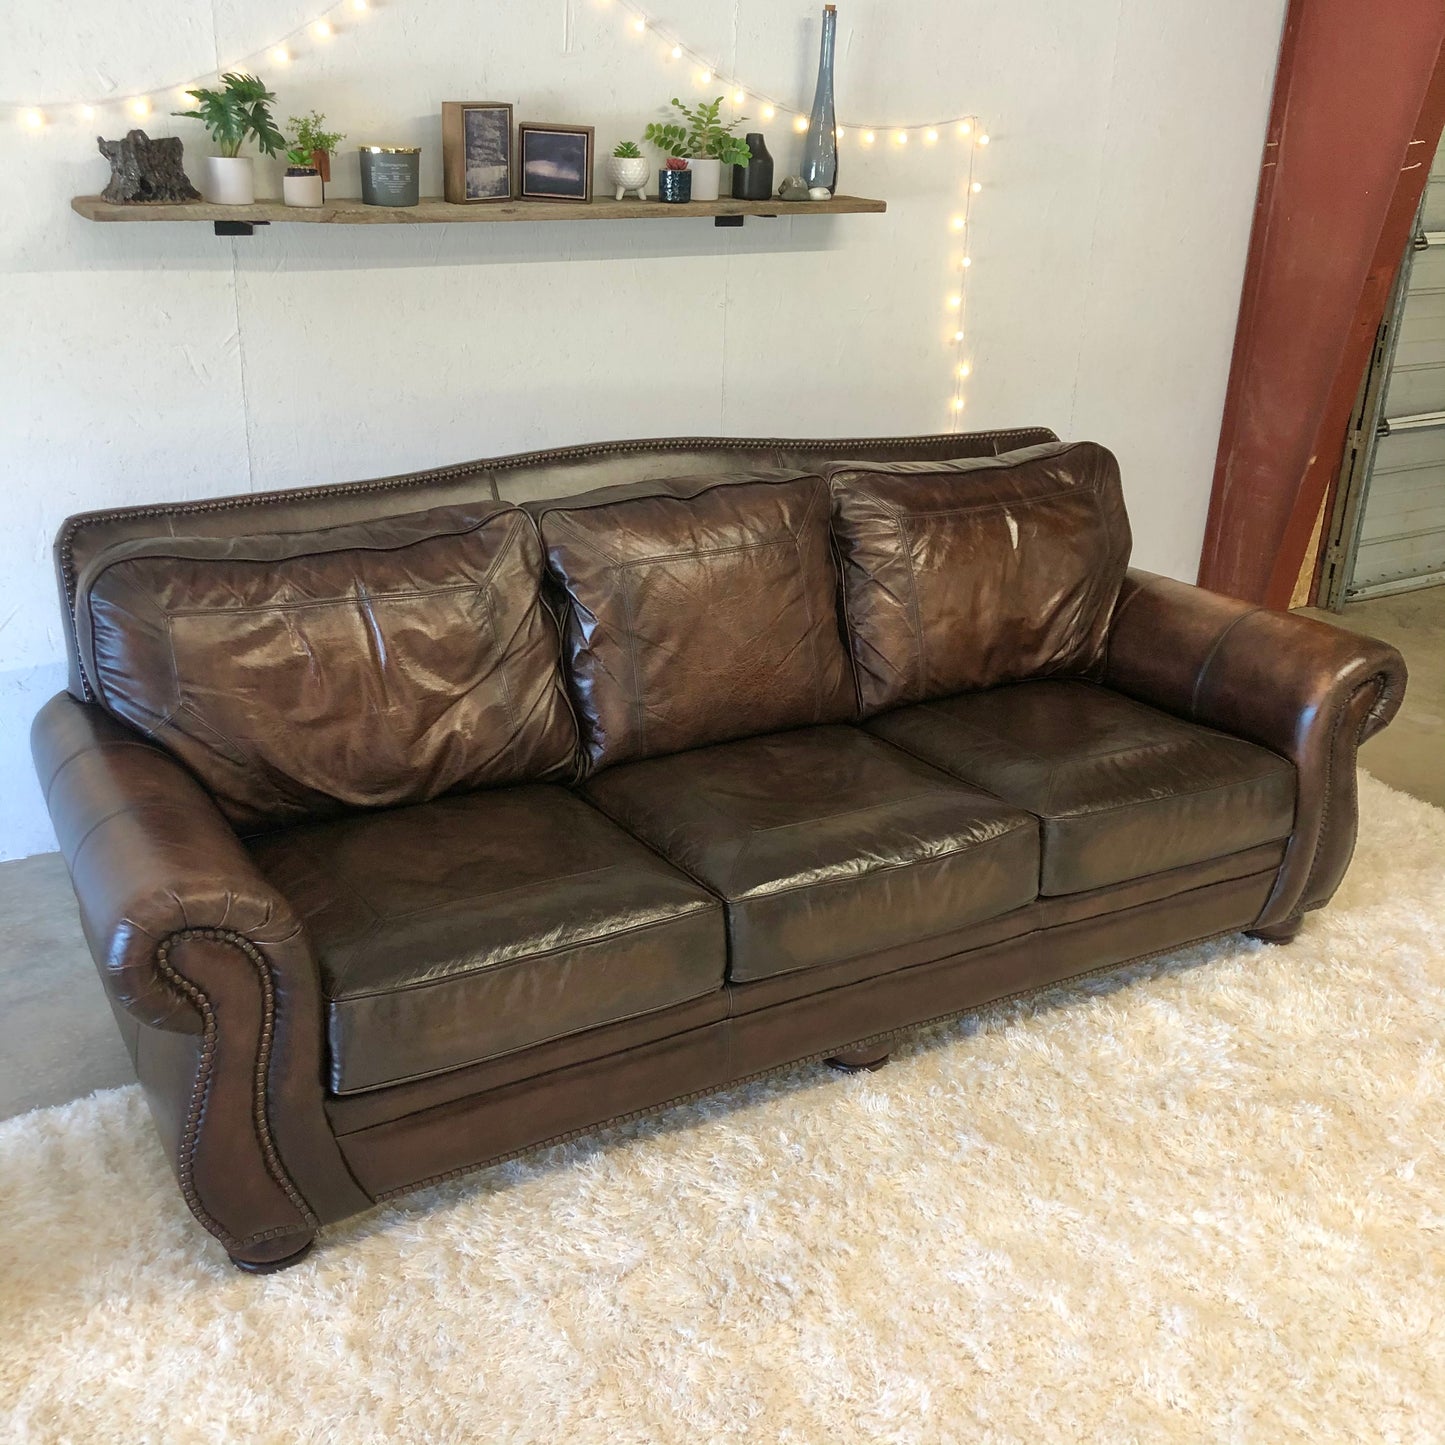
(413, 827)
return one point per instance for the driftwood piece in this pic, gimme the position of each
(145, 170)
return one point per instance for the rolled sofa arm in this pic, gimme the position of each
(1308, 691)
(214, 970)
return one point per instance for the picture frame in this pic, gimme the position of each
(554, 162)
(478, 156)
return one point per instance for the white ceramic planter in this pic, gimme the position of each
(301, 190)
(230, 180)
(706, 177)
(629, 173)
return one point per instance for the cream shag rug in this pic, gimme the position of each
(1198, 1201)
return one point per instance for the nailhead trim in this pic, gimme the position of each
(442, 474)
(827, 1053)
(200, 1090)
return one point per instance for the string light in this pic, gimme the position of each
(283, 52)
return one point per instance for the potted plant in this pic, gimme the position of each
(238, 112)
(312, 136)
(706, 142)
(308, 160)
(674, 180)
(628, 170)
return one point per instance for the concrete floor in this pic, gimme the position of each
(58, 1040)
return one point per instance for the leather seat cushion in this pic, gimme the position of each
(483, 923)
(960, 575)
(1122, 789)
(825, 843)
(303, 674)
(697, 610)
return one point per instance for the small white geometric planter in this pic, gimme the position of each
(629, 173)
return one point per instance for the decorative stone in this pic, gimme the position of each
(793, 189)
(146, 171)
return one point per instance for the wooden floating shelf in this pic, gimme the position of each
(239, 220)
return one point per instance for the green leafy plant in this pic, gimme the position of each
(705, 136)
(238, 112)
(310, 138)
(627, 150)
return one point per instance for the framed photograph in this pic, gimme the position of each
(554, 162)
(477, 159)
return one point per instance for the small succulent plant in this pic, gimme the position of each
(675, 163)
(628, 150)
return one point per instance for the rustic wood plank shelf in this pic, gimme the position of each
(239, 220)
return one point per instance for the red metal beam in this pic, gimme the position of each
(1359, 103)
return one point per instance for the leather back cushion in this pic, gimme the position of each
(369, 665)
(962, 575)
(696, 611)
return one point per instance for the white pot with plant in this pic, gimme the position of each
(308, 160)
(629, 170)
(706, 142)
(238, 112)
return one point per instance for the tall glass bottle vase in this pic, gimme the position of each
(820, 151)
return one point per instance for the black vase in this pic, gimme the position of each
(754, 181)
(674, 186)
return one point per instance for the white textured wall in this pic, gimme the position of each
(147, 362)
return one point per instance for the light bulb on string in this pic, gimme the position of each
(957, 223)
(869, 137)
(964, 371)
(138, 106)
(281, 55)
(740, 97)
(954, 302)
(639, 25)
(958, 336)
(32, 119)
(976, 187)
(983, 140)
(964, 128)
(322, 30)
(704, 77)
(900, 137)
(358, 5)
(87, 112)
(930, 137)
(769, 112)
(800, 123)
(966, 262)
(958, 403)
